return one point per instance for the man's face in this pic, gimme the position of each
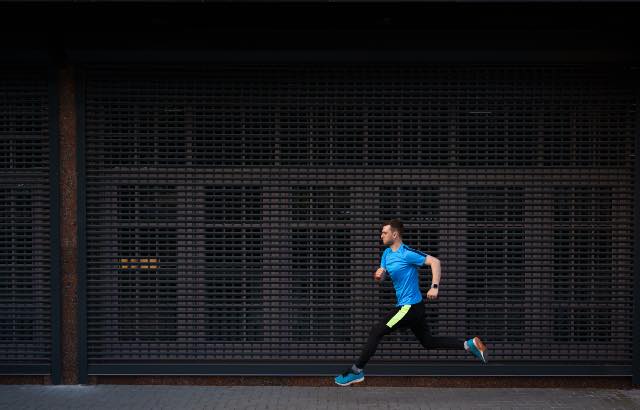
(388, 235)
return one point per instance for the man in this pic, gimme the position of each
(401, 262)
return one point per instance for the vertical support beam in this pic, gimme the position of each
(83, 367)
(54, 217)
(636, 235)
(68, 221)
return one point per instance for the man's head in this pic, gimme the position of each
(391, 231)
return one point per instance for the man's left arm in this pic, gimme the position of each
(435, 270)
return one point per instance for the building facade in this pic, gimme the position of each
(198, 189)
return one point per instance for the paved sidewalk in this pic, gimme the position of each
(97, 397)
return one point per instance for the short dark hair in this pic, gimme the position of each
(395, 224)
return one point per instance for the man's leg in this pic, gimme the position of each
(474, 345)
(398, 317)
(421, 329)
(388, 324)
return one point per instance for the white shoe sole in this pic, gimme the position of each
(351, 382)
(484, 352)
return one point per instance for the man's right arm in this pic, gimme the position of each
(380, 274)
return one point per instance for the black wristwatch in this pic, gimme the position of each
(434, 286)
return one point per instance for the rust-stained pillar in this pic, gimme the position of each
(68, 224)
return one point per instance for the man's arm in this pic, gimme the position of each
(435, 269)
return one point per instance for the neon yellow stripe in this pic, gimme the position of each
(398, 316)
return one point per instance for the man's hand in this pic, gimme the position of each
(432, 294)
(379, 274)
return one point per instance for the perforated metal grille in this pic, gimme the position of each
(233, 212)
(25, 243)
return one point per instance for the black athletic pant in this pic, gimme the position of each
(413, 317)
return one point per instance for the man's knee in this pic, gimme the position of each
(379, 330)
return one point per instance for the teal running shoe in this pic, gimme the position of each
(349, 377)
(478, 349)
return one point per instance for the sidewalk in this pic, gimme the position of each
(97, 397)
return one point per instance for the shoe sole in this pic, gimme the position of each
(482, 348)
(351, 382)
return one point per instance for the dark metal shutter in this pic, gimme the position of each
(25, 239)
(233, 212)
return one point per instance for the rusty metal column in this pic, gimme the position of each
(68, 224)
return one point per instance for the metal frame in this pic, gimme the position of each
(81, 215)
(26, 370)
(373, 369)
(54, 172)
(636, 235)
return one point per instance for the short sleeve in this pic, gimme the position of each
(416, 257)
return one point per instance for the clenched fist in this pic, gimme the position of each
(379, 275)
(432, 294)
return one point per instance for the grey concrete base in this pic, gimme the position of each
(307, 398)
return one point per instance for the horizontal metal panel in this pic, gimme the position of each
(373, 369)
(233, 212)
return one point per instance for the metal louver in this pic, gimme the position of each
(25, 226)
(233, 212)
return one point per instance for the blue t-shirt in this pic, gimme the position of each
(402, 265)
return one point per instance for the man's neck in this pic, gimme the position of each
(395, 246)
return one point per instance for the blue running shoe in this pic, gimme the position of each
(349, 377)
(478, 349)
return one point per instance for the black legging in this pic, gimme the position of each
(413, 317)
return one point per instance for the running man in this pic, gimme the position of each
(401, 262)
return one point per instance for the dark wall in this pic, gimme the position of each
(441, 26)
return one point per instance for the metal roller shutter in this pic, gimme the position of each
(25, 239)
(233, 212)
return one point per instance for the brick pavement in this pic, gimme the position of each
(16, 397)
